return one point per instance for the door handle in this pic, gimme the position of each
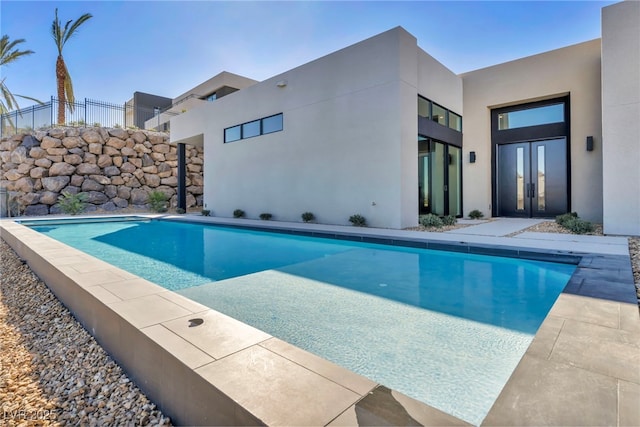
(528, 190)
(533, 190)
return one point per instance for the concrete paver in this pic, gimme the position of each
(499, 227)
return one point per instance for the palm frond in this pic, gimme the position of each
(70, 31)
(9, 52)
(30, 98)
(61, 35)
(7, 100)
(56, 32)
(68, 90)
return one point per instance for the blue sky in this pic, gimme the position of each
(168, 47)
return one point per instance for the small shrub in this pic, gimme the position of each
(475, 214)
(71, 204)
(206, 212)
(564, 218)
(158, 201)
(450, 220)
(578, 226)
(238, 213)
(307, 217)
(180, 211)
(358, 220)
(572, 222)
(431, 220)
(265, 216)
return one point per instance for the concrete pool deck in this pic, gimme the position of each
(582, 367)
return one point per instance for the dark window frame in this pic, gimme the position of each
(530, 133)
(269, 117)
(261, 130)
(447, 111)
(429, 142)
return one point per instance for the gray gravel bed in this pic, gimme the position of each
(634, 251)
(52, 371)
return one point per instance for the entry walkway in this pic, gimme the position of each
(495, 232)
(498, 227)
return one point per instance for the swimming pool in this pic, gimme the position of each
(445, 328)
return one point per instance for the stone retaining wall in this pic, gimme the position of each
(115, 168)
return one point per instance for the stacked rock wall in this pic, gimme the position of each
(115, 168)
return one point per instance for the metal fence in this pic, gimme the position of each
(83, 114)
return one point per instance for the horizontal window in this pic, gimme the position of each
(232, 134)
(272, 124)
(438, 114)
(432, 111)
(254, 128)
(251, 129)
(423, 107)
(531, 117)
(455, 121)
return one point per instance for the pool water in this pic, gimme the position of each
(442, 327)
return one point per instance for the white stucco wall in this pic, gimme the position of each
(573, 70)
(349, 143)
(438, 83)
(621, 117)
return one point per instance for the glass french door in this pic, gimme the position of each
(439, 178)
(532, 178)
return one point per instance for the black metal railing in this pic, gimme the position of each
(81, 114)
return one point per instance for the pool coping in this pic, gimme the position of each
(186, 370)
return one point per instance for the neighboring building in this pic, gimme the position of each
(144, 106)
(384, 130)
(213, 89)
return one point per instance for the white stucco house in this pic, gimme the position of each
(382, 129)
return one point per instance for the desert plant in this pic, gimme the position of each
(358, 220)
(572, 222)
(450, 220)
(238, 213)
(578, 226)
(206, 212)
(475, 214)
(158, 201)
(180, 211)
(431, 220)
(61, 35)
(70, 203)
(265, 216)
(307, 217)
(565, 218)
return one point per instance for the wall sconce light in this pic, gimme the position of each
(472, 157)
(589, 143)
(281, 83)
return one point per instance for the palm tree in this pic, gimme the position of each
(63, 79)
(10, 53)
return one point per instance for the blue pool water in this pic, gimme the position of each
(445, 328)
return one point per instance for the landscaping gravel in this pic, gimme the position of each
(634, 251)
(52, 371)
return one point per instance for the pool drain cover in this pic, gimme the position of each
(195, 322)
